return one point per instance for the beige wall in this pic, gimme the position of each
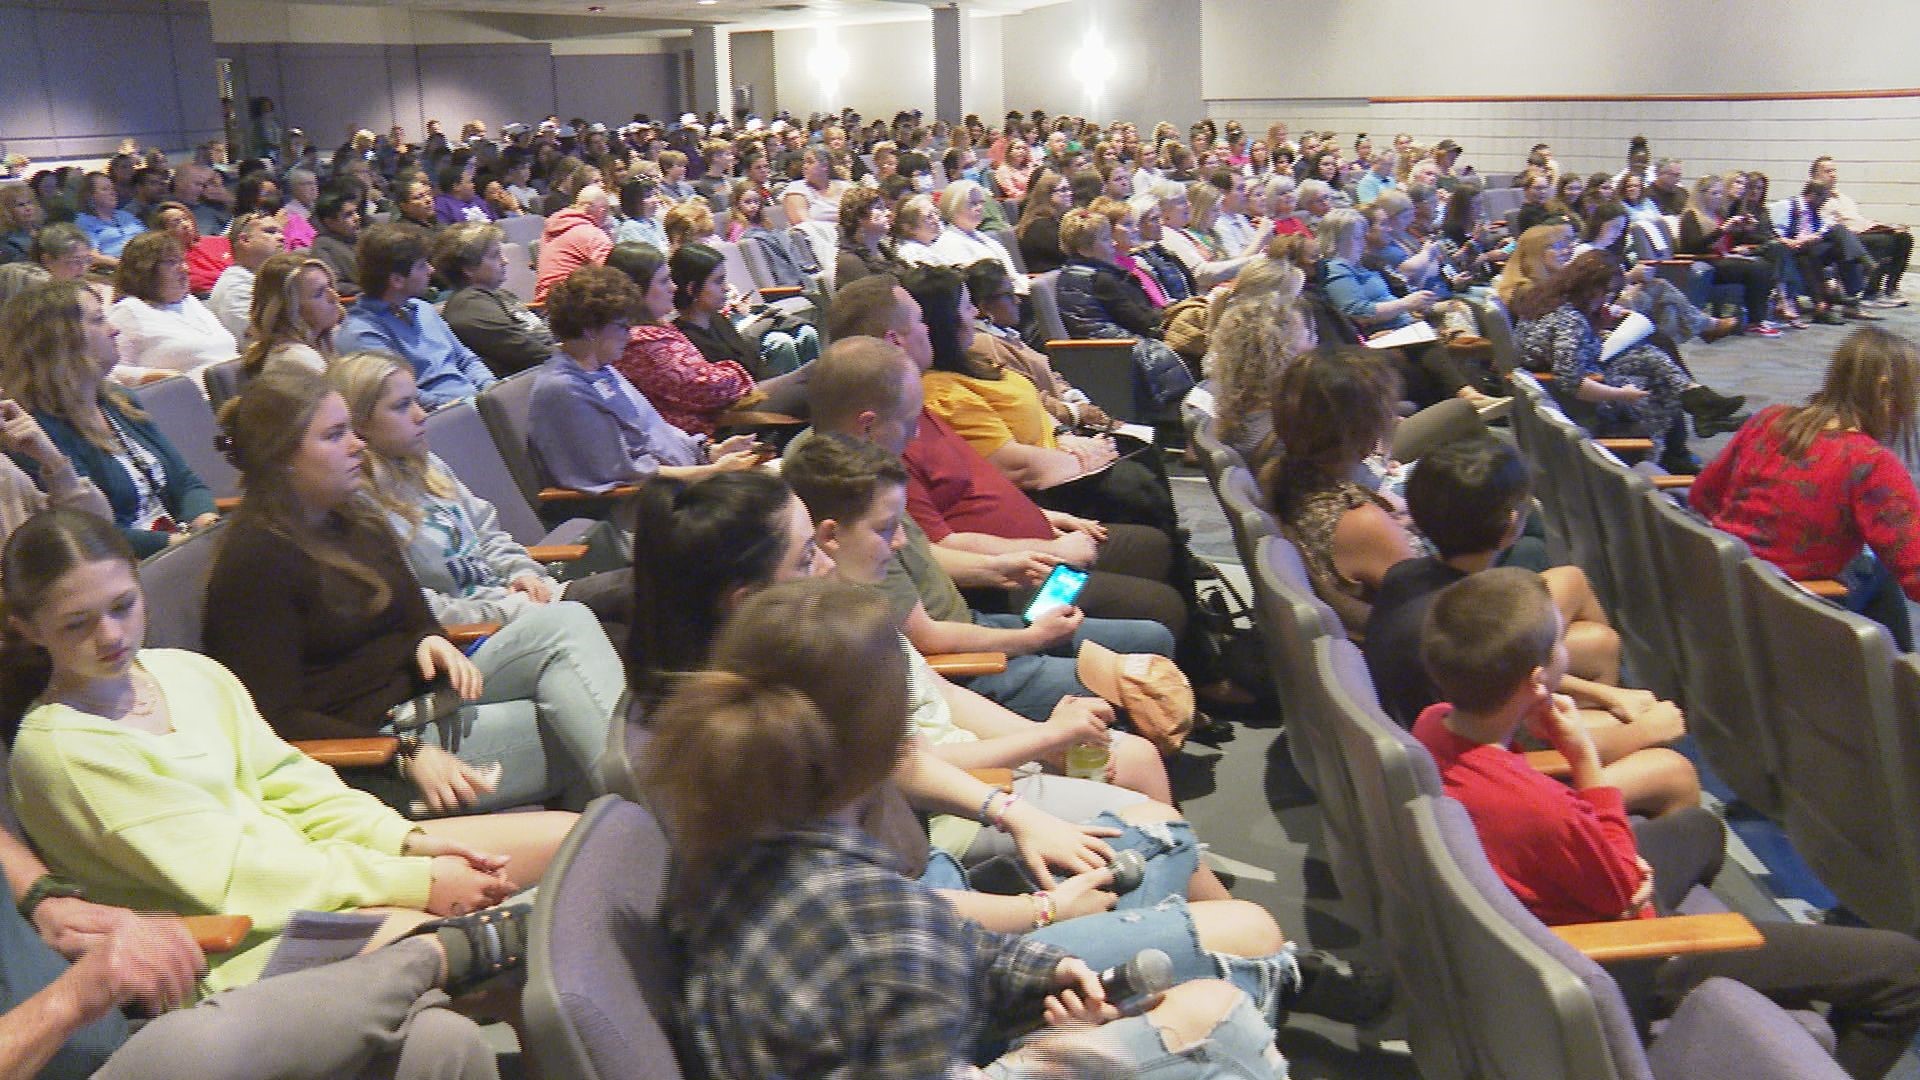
(889, 67)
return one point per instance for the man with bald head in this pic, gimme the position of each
(573, 238)
(984, 532)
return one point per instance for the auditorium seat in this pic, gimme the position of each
(1641, 613)
(1849, 756)
(1101, 368)
(180, 410)
(602, 973)
(1250, 522)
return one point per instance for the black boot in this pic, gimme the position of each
(1675, 458)
(1704, 403)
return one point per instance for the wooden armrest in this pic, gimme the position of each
(1824, 588)
(754, 418)
(146, 377)
(1675, 935)
(1626, 446)
(1089, 343)
(464, 634)
(218, 933)
(780, 292)
(1669, 483)
(962, 664)
(1675, 261)
(557, 552)
(365, 753)
(227, 504)
(1549, 763)
(559, 494)
(1000, 778)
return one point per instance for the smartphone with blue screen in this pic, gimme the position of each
(1060, 590)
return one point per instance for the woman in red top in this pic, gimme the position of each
(1806, 487)
(689, 390)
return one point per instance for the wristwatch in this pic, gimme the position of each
(44, 887)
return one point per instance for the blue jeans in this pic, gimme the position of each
(1032, 685)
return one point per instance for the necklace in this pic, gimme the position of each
(145, 699)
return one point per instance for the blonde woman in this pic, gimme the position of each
(1708, 231)
(295, 309)
(469, 568)
(1260, 332)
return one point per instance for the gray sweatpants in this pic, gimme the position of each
(370, 1017)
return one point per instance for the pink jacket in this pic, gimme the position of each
(570, 241)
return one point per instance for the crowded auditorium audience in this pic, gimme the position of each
(788, 389)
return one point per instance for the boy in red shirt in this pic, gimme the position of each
(1495, 645)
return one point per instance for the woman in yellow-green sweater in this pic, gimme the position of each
(147, 778)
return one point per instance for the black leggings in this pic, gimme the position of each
(1869, 979)
(1755, 279)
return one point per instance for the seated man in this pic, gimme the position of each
(985, 531)
(204, 194)
(574, 237)
(1470, 499)
(253, 239)
(68, 965)
(1891, 246)
(336, 219)
(390, 317)
(1496, 646)
(849, 483)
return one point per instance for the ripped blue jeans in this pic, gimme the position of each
(1153, 916)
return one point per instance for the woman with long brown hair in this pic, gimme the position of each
(295, 310)
(1038, 230)
(311, 603)
(1815, 490)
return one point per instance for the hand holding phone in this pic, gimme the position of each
(1060, 590)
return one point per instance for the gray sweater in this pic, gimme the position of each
(462, 557)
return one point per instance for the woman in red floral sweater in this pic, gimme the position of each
(689, 390)
(1808, 486)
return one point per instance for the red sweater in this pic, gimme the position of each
(1568, 855)
(687, 388)
(1810, 515)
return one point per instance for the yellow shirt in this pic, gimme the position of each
(990, 413)
(218, 816)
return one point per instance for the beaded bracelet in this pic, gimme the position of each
(1043, 909)
(998, 821)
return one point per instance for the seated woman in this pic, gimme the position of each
(1633, 195)
(963, 243)
(687, 388)
(1647, 292)
(1807, 487)
(1278, 193)
(1099, 297)
(295, 310)
(63, 251)
(1710, 230)
(865, 247)
(816, 195)
(747, 225)
(312, 605)
(997, 342)
(916, 229)
(1479, 247)
(590, 429)
(1428, 374)
(798, 709)
(689, 222)
(1261, 331)
(1012, 175)
(163, 326)
(228, 819)
(1755, 233)
(1332, 409)
(1418, 264)
(704, 300)
(1038, 230)
(481, 313)
(108, 227)
(58, 347)
(1538, 254)
(1536, 191)
(469, 569)
(1559, 328)
(998, 413)
(639, 215)
(1188, 234)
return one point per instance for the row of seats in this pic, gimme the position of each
(1802, 708)
(1488, 990)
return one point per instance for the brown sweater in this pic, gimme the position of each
(318, 665)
